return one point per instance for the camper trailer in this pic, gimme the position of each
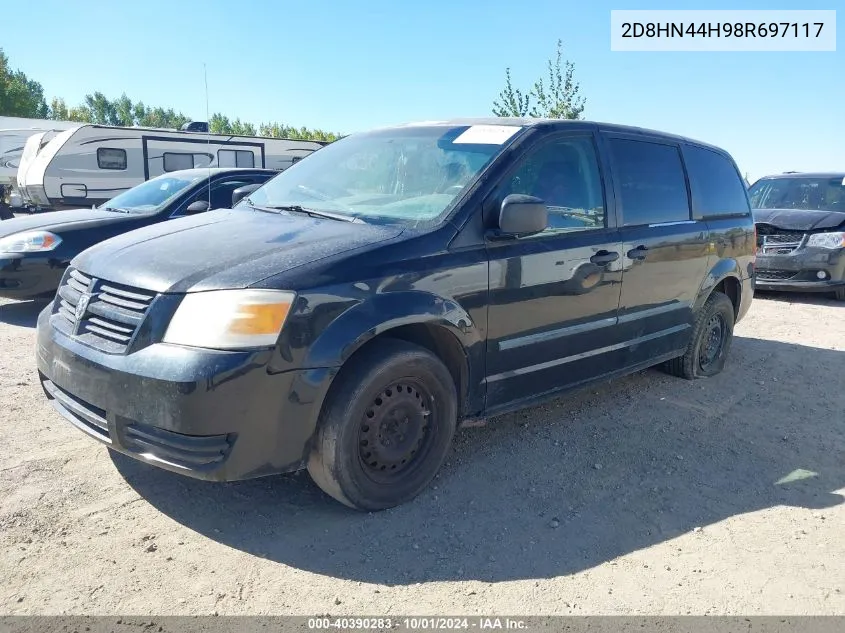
(93, 163)
(34, 144)
(14, 132)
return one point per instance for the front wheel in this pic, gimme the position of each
(386, 427)
(840, 294)
(710, 342)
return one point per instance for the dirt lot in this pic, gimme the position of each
(647, 495)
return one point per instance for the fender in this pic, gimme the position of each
(723, 269)
(383, 312)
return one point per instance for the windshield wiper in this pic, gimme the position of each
(116, 209)
(295, 208)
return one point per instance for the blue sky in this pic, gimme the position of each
(348, 66)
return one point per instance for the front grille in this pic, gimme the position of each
(112, 316)
(775, 275)
(776, 242)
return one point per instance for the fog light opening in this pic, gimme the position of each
(821, 274)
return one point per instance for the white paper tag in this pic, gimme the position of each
(487, 134)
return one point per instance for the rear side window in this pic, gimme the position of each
(235, 158)
(111, 158)
(174, 161)
(716, 186)
(651, 179)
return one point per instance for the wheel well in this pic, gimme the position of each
(730, 286)
(440, 342)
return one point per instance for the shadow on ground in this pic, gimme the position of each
(22, 313)
(809, 298)
(618, 467)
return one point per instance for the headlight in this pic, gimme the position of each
(827, 240)
(230, 319)
(29, 242)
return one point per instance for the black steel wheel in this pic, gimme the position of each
(395, 435)
(710, 341)
(386, 426)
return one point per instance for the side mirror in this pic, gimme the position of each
(522, 215)
(198, 207)
(242, 192)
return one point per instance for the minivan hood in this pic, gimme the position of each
(58, 221)
(222, 249)
(799, 219)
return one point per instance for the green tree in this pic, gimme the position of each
(20, 95)
(555, 97)
(124, 110)
(511, 101)
(103, 111)
(219, 124)
(58, 110)
(242, 129)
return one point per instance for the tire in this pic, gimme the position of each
(716, 319)
(6, 213)
(839, 294)
(375, 446)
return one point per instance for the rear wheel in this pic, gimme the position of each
(710, 342)
(386, 427)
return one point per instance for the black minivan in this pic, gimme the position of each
(351, 312)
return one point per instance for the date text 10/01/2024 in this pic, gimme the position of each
(416, 624)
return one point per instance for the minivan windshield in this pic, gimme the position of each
(404, 175)
(790, 192)
(152, 195)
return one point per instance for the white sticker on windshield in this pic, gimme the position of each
(487, 134)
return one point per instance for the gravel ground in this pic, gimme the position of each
(647, 495)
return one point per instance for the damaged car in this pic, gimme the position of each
(800, 221)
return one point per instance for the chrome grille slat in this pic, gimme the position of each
(121, 315)
(120, 329)
(115, 336)
(76, 285)
(112, 317)
(113, 290)
(69, 294)
(84, 279)
(123, 303)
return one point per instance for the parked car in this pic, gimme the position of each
(800, 219)
(36, 249)
(349, 313)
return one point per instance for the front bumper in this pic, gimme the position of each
(212, 415)
(29, 277)
(798, 271)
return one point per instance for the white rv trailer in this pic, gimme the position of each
(14, 132)
(34, 144)
(93, 163)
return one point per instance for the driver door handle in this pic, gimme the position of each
(604, 257)
(638, 253)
